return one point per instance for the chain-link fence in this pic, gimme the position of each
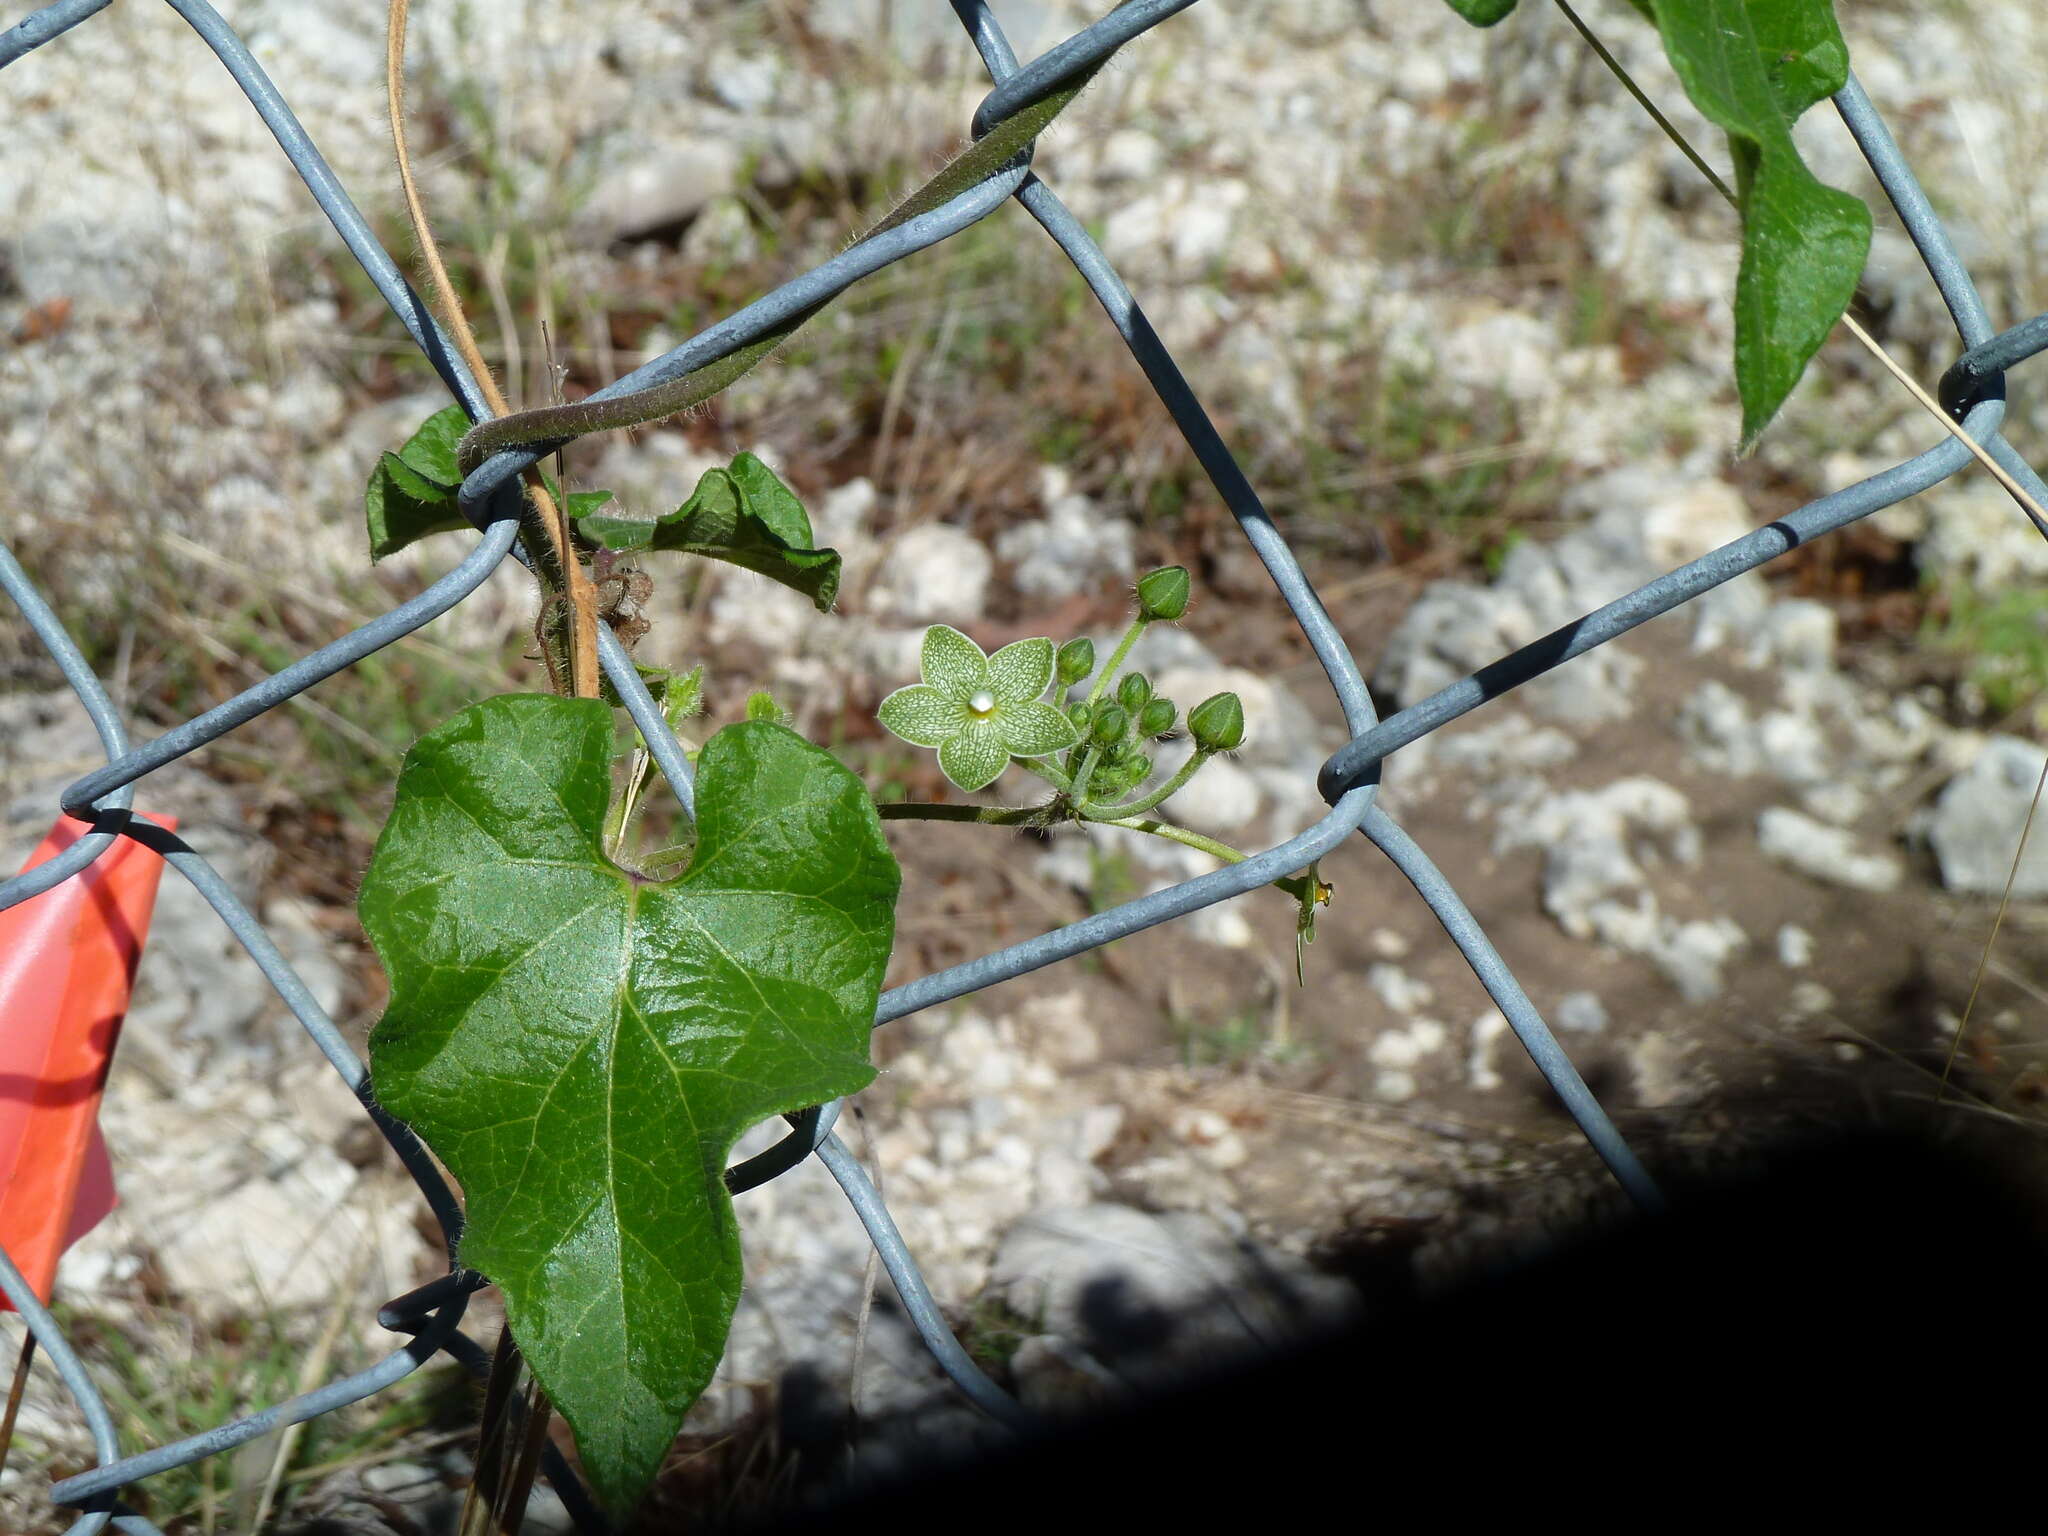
(1973, 390)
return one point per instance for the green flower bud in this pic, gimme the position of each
(1110, 724)
(1217, 723)
(1123, 774)
(1080, 714)
(1163, 594)
(1134, 692)
(1076, 661)
(1157, 718)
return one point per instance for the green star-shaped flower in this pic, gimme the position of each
(978, 710)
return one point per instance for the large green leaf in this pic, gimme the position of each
(582, 1046)
(743, 515)
(1752, 67)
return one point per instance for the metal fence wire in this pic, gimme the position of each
(1973, 390)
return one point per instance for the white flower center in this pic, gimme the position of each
(982, 705)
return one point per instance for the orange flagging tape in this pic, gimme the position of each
(67, 960)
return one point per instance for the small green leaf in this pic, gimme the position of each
(682, 697)
(774, 503)
(1752, 67)
(582, 1046)
(762, 706)
(1483, 13)
(742, 515)
(659, 681)
(411, 493)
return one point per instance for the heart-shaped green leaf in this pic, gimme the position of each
(743, 515)
(582, 1046)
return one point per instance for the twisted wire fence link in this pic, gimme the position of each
(1973, 389)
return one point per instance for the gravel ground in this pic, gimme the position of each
(1743, 860)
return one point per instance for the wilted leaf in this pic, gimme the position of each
(412, 492)
(743, 515)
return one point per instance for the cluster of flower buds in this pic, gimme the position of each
(1116, 730)
(1122, 716)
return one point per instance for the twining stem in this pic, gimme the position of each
(1891, 365)
(987, 815)
(577, 591)
(1296, 886)
(1144, 803)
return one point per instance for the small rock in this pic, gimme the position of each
(1486, 1034)
(935, 574)
(1828, 854)
(1582, 1013)
(1976, 822)
(1220, 800)
(1795, 947)
(1151, 1296)
(665, 188)
(1807, 1000)
(1073, 548)
(1659, 1066)
(1398, 990)
(1406, 1047)
(1057, 1030)
(1394, 1086)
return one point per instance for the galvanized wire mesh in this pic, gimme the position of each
(1973, 390)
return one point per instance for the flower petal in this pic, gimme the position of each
(1021, 671)
(952, 663)
(1035, 730)
(975, 758)
(922, 715)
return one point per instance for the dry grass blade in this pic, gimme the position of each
(22, 1363)
(576, 587)
(1984, 960)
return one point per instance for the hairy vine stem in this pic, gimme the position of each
(577, 591)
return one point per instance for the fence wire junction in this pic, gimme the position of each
(1973, 390)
